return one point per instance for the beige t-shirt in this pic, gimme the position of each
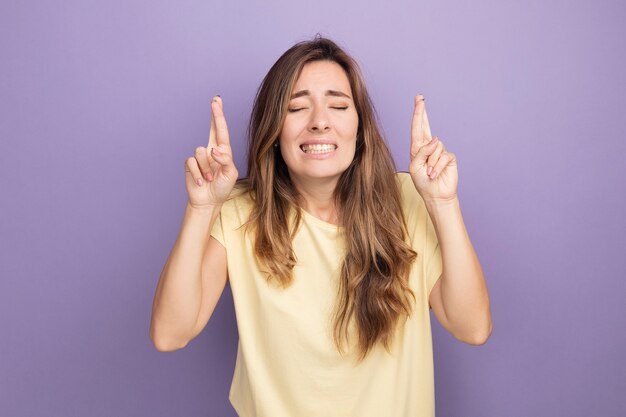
(287, 364)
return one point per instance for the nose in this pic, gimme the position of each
(319, 120)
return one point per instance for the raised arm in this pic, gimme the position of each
(459, 299)
(195, 273)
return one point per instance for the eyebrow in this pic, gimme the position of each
(333, 93)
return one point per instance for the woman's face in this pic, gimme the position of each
(318, 137)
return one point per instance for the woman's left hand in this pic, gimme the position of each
(433, 170)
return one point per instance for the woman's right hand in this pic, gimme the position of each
(211, 174)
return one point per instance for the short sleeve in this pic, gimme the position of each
(217, 231)
(433, 266)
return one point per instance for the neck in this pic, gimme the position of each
(318, 198)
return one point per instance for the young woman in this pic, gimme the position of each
(333, 258)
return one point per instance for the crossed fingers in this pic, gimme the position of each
(218, 134)
(420, 129)
(206, 161)
(433, 157)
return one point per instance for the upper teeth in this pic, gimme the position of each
(318, 148)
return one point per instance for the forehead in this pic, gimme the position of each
(322, 75)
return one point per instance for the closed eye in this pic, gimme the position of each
(302, 108)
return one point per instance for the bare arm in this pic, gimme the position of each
(190, 284)
(195, 273)
(459, 299)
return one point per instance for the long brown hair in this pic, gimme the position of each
(374, 289)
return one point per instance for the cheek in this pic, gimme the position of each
(288, 150)
(289, 133)
(351, 129)
(353, 124)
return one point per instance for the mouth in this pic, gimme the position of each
(318, 148)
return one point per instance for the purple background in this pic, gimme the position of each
(101, 103)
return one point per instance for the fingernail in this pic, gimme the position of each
(433, 174)
(216, 150)
(428, 170)
(199, 182)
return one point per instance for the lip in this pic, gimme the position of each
(319, 156)
(320, 142)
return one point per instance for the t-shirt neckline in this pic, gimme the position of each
(319, 222)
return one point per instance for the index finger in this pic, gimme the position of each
(420, 128)
(212, 141)
(221, 134)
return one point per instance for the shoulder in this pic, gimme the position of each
(411, 199)
(413, 207)
(403, 178)
(239, 203)
(240, 194)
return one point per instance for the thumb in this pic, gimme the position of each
(426, 150)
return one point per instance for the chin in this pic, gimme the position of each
(320, 174)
